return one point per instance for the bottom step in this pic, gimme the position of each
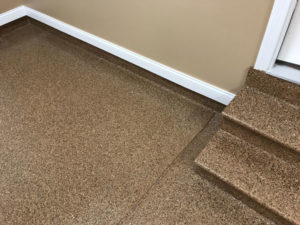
(263, 177)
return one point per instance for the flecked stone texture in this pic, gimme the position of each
(267, 115)
(271, 181)
(274, 86)
(266, 144)
(82, 138)
(255, 155)
(87, 138)
(181, 196)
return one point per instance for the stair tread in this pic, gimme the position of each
(269, 180)
(267, 115)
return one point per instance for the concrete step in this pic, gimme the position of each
(268, 180)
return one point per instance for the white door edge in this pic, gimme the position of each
(278, 24)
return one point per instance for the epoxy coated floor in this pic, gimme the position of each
(85, 141)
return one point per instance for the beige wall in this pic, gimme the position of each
(213, 40)
(6, 5)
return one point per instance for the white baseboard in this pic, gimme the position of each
(164, 71)
(12, 15)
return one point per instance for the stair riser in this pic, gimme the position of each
(242, 196)
(259, 140)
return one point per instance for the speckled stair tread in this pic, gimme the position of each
(271, 117)
(271, 181)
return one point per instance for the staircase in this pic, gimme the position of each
(256, 154)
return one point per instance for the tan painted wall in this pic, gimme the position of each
(213, 40)
(6, 5)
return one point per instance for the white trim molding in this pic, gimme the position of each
(286, 72)
(277, 27)
(278, 24)
(12, 15)
(155, 67)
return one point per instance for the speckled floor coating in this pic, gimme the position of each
(85, 141)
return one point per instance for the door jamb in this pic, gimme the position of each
(278, 24)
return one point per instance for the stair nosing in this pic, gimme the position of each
(262, 142)
(274, 213)
(254, 129)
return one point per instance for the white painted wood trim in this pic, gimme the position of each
(290, 50)
(277, 27)
(164, 71)
(12, 15)
(286, 72)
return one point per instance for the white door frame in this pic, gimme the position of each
(276, 30)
